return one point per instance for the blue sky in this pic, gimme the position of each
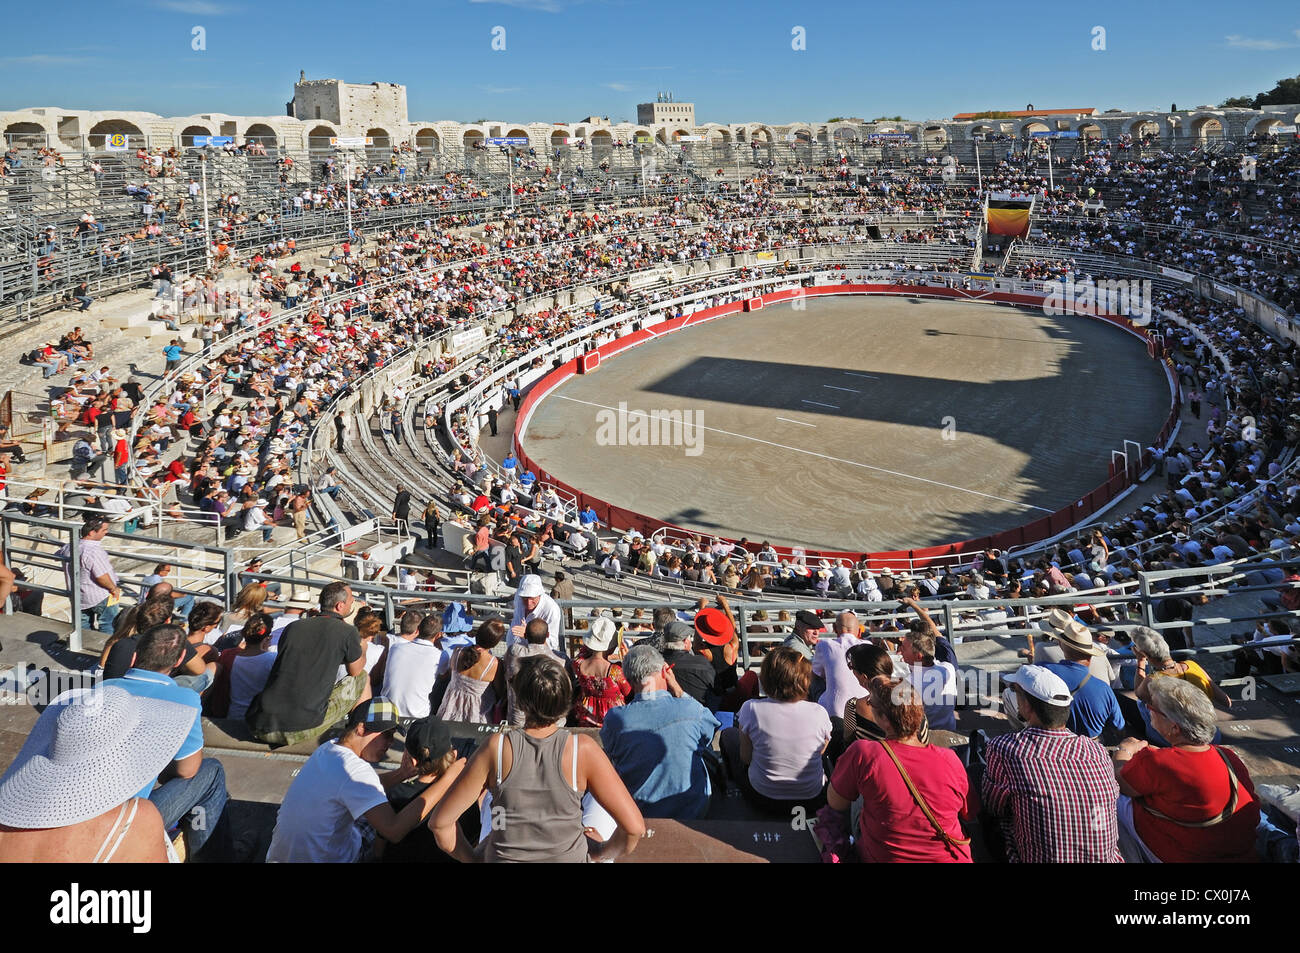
(566, 59)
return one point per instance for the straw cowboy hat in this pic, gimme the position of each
(1068, 630)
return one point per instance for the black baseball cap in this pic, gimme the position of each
(427, 734)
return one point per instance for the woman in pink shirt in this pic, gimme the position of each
(896, 824)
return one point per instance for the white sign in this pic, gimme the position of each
(690, 138)
(351, 142)
(117, 142)
(1282, 129)
(463, 341)
(1183, 276)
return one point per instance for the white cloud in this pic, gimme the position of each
(202, 8)
(499, 90)
(544, 6)
(1240, 42)
(618, 87)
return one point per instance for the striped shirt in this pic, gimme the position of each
(1055, 793)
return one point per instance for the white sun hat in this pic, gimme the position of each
(90, 751)
(530, 586)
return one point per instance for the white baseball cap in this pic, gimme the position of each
(531, 586)
(1042, 683)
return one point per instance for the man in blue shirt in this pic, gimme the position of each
(1095, 706)
(193, 787)
(173, 352)
(658, 741)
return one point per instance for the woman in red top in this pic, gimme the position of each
(893, 827)
(1192, 802)
(599, 684)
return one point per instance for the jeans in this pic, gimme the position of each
(195, 683)
(184, 605)
(102, 615)
(85, 302)
(201, 798)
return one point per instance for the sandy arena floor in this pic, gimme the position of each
(859, 424)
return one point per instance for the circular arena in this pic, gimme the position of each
(856, 423)
(337, 433)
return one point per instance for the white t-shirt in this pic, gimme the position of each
(409, 676)
(374, 652)
(248, 675)
(317, 819)
(788, 739)
(937, 684)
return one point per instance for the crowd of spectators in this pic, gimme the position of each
(825, 724)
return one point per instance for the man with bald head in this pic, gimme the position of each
(829, 664)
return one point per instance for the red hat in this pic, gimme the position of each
(714, 626)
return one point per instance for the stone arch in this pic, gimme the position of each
(760, 134)
(935, 134)
(518, 133)
(558, 138)
(1207, 127)
(114, 127)
(318, 139)
(261, 132)
(380, 138)
(189, 132)
(1263, 124)
(428, 140)
(29, 134)
(470, 137)
(983, 129)
(1032, 126)
(602, 137)
(1139, 128)
(1090, 130)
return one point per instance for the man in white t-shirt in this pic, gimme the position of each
(412, 666)
(532, 602)
(935, 680)
(338, 786)
(829, 663)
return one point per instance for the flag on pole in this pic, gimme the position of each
(1008, 215)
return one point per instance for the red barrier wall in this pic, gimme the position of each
(1043, 528)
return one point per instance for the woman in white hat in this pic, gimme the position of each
(72, 794)
(599, 684)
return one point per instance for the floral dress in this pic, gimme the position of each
(593, 696)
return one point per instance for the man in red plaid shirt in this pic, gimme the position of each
(1053, 791)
